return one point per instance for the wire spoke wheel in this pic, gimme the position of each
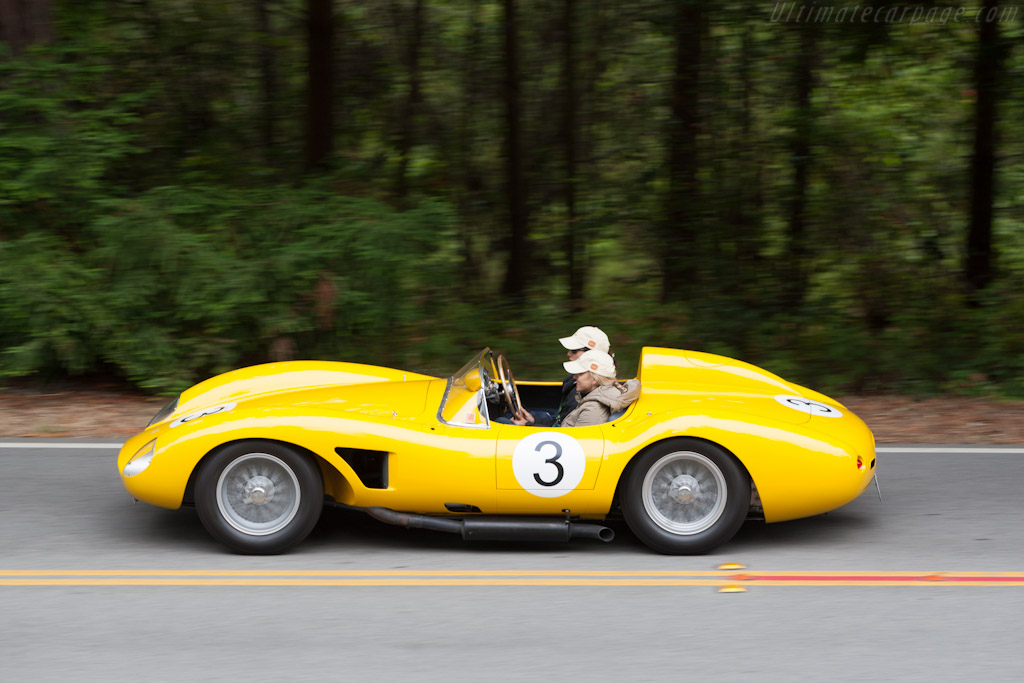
(685, 493)
(258, 494)
(685, 496)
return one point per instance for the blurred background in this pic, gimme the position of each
(832, 191)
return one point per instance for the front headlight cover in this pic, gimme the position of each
(141, 460)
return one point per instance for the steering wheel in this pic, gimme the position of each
(508, 385)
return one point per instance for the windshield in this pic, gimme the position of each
(465, 398)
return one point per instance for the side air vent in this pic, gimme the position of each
(370, 466)
(461, 507)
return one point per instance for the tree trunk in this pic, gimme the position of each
(987, 70)
(518, 253)
(797, 276)
(575, 242)
(406, 137)
(24, 23)
(320, 84)
(680, 235)
(752, 203)
(268, 80)
(472, 182)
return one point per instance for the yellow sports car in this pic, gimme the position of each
(709, 442)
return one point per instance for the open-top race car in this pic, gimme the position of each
(709, 442)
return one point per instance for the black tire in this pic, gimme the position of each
(685, 497)
(259, 497)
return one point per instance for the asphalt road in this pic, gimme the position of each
(361, 601)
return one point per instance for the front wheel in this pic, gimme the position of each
(259, 497)
(684, 497)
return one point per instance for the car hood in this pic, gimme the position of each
(384, 400)
(303, 382)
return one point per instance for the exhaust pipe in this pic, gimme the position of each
(410, 521)
(497, 528)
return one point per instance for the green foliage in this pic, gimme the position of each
(48, 307)
(62, 130)
(156, 222)
(184, 282)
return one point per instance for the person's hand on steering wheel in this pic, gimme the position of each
(522, 418)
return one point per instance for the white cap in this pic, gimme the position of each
(597, 362)
(587, 338)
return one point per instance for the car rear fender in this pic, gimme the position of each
(797, 470)
(682, 441)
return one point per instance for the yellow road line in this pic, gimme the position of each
(358, 582)
(495, 572)
(348, 572)
(604, 583)
(465, 577)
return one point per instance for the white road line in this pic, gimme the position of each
(73, 446)
(880, 449)
(940, 449)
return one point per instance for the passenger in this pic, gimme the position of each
(587, 338)
(598, 394)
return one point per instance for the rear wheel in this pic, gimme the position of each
(684, 497)
(259, 497)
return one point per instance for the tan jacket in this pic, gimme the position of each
(599, 405)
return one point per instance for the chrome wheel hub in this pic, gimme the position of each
(258, 494)
(259, 490)
(685, 493)
(684, 489)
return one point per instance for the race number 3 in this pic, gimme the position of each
(548, 464)
(223, 408)
(805, 405)
(552, 460)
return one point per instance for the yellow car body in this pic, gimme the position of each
(429, 447)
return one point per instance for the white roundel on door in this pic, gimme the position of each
(549, 464)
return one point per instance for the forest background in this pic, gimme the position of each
(829, 190)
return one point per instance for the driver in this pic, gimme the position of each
(587, 338)
(598, 393)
